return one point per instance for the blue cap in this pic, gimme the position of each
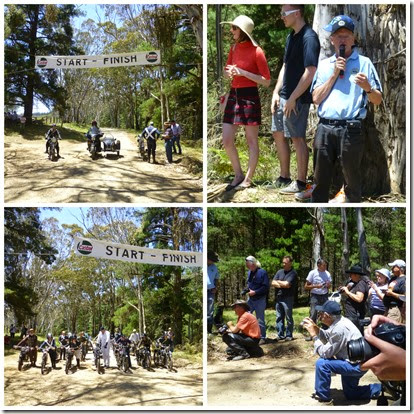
(340, 22)
(331, 307)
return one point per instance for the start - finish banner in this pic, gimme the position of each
(102, 61)
(135, 254)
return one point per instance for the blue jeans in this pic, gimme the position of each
(350, 375)
(259, 306)
(284, 309)
(210, 310)
(176, 140)
(168, 150)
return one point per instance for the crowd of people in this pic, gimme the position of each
(80, 343)
(342, 86)
(331, 324)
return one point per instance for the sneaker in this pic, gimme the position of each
(281, 338)
(282, 182)
(289, 338)
(339, 198)
(305, 195)
(240, 357)
(292, 188)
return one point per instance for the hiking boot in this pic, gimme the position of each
(282, 182)
(262, 341)
(305, 195)
(339, 198)
(293, 188)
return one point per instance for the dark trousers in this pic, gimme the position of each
(152, 146)
(242, 344)
(316, 300)
(176, 140)
(341, 144)
(168, 150)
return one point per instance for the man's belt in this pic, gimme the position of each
(340, 122)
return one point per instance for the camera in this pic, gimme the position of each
(244, 291)
(359, 350)
(223, 329)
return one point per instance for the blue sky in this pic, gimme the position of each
(65, 216)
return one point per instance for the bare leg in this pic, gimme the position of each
(229, 134)
(302, 157)
(252, 134)
(283, 153)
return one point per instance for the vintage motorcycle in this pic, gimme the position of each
(97, 354)
(52, 151)
(108, 144)
(23, 356)
(142, 147)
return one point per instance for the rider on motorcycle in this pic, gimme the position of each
(30, 340)
(75, 345)
(145, 342)
(63, 340)
(94, 131)
(51, 345)
(124, 341)
(53, 132)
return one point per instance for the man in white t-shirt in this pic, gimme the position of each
(103, 341)
(318, 282)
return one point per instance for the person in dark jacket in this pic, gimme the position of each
(258, 285)
(50, 344)
(30, 340)
(151, 134)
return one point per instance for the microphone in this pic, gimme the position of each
(341, 54)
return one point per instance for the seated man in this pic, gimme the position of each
(331, 346)
(243, 338)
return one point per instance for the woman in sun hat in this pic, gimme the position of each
(377, 292)
(247, 67)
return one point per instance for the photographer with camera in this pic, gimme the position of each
(356, 292)
(257, 288)
(331, 346)
(243, 338)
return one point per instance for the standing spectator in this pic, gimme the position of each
(396, 288)
(23, 331)
(377, 291)
(134, 337)
(292, 98)
(356, 292)
(167, 137)
(243, 338)
(12, 330)
(318, 282)
(331, 346)
(104, 342)
(342, 87)
(285, 283)
(151, 134)
(258, 285)
(22, 122)
(212, 286)
(176, 130)
(247, 67)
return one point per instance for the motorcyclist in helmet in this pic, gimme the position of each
(53, 132)
(50, 343)
(93, 131)
(75, 345)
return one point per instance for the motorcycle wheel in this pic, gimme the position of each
(20, 364)
(125, 364)
(117, 153)
(68, 364)
(169, 362)
(43, 366)
(148, 361)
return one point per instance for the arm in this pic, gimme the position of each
(375, 96)
(233, 70)
(301, 87)
(356, 297)
(233, 328)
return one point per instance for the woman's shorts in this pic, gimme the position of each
(243, 107)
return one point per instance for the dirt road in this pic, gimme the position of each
(85, 387)
(284, 377)
(75, 178)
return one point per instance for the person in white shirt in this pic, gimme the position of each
(104, 342)
(176, 130)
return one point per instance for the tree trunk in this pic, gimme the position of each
(345, 244)
(380, 31)
(195, 14)
(318, 236)
(362, 243)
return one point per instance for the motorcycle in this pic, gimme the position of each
(70, 352)
(97, 352)
(123, 360)
(23, 356)
(110, 144)
(45, 353)
(52, 151)
(94, 144)
(84, 351)
(144, 357)
(141, 147)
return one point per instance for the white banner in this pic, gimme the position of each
(102, 61)
(136, 254)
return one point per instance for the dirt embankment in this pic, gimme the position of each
(75, 178)
(85, 387)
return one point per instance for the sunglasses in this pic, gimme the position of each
(234, 27)
(287, 13)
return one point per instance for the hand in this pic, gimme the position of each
(290, 106)
(106, 345)
(344, 290)
(229, 324)
(390, 363)
(275, 102)
(251, 293)
(311, 326)
(339, 65)
(362, 81)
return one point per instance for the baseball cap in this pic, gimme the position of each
(340, 22)
(398, 262)
(331, 307)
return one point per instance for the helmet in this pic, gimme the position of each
(94, 123)
(74, 336)
(53, 125)
(49, 335)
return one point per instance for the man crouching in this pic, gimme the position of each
(243, 338)
(331, 345)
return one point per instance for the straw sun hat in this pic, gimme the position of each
(245, 24)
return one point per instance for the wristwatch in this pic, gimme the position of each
(370, 91)
(315, 337)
